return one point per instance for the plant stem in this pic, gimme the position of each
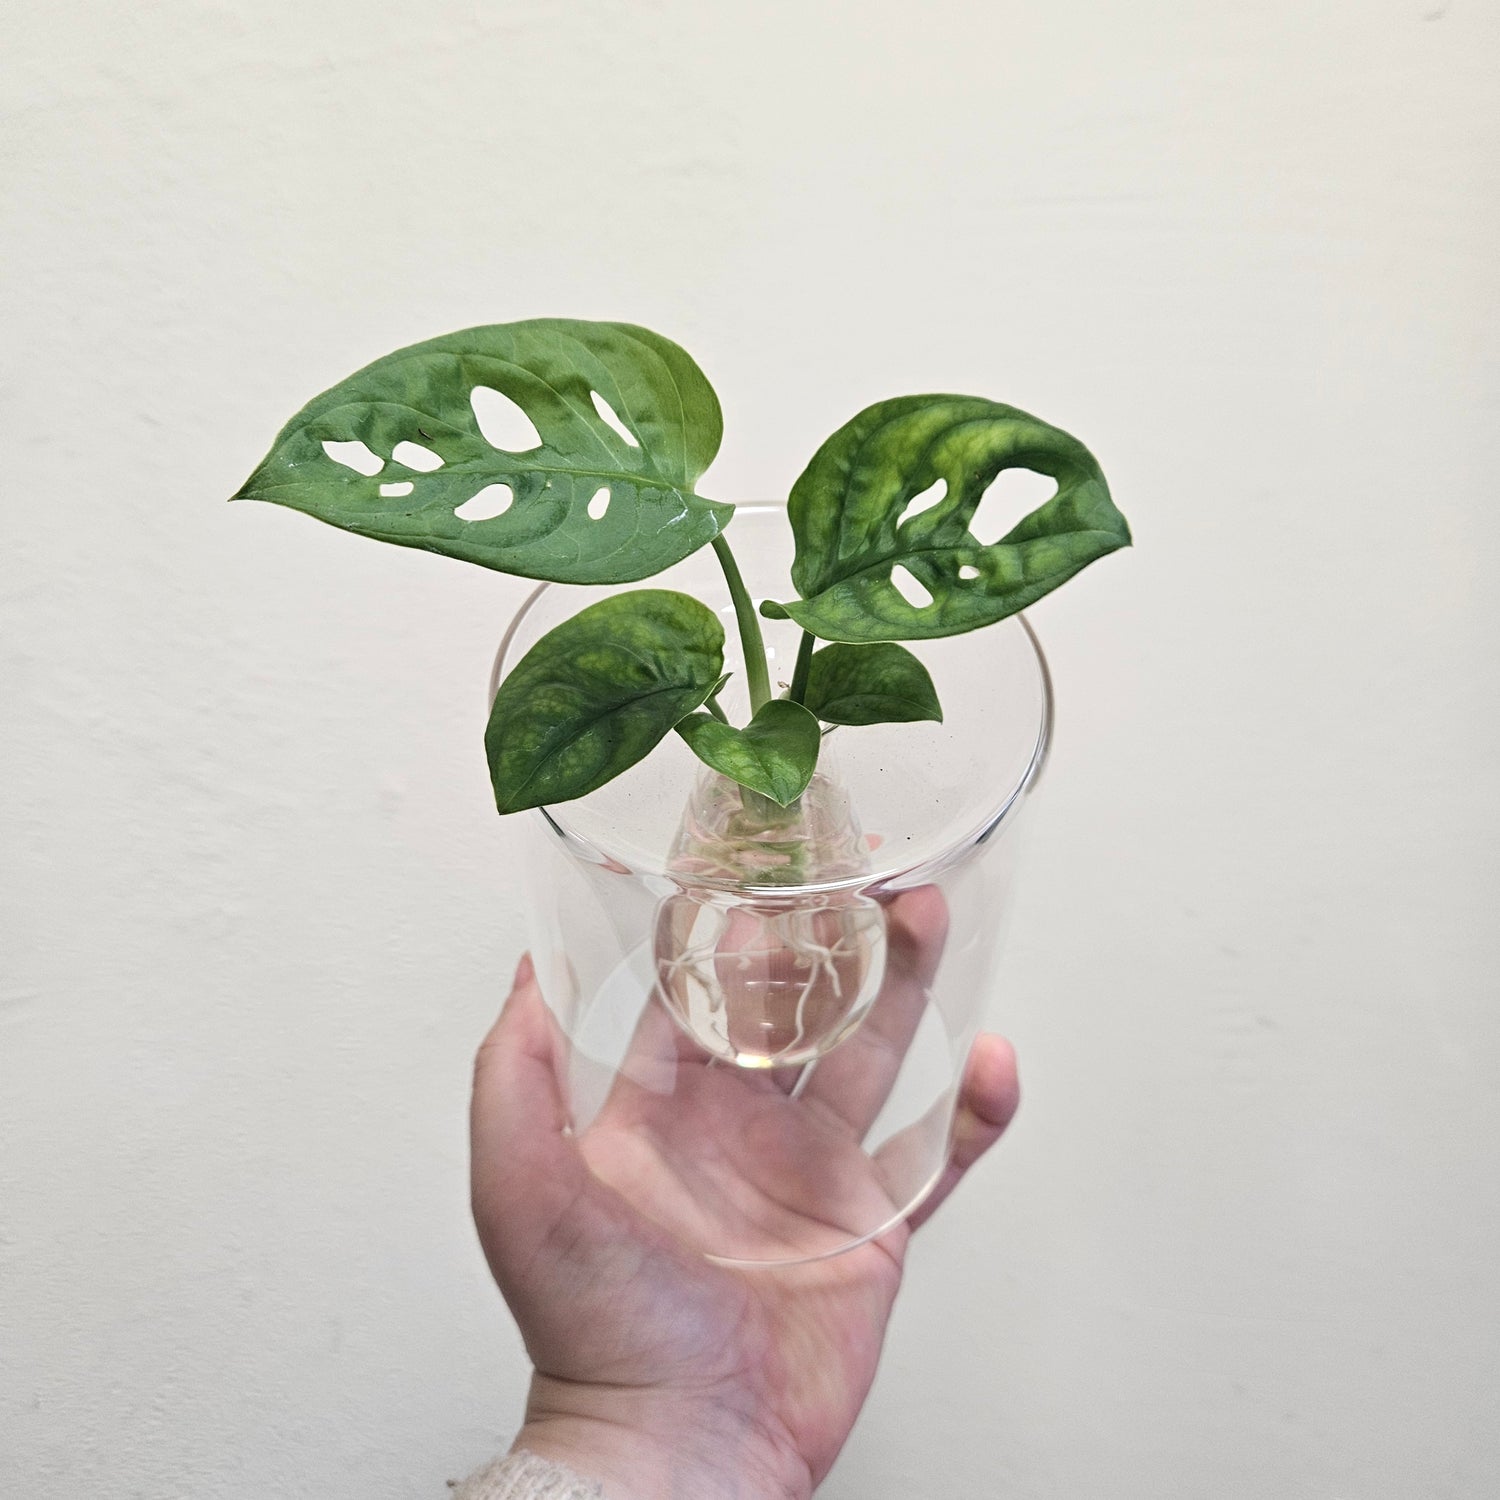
(754, 647)
(798, 693)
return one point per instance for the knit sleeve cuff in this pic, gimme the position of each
(524, 1476)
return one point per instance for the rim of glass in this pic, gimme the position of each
(960, 848)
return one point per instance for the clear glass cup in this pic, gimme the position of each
(764, 1016)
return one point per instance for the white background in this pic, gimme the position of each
(1243, 1241)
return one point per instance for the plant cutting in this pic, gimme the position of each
(570, 452)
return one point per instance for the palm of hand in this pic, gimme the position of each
(796, 1345)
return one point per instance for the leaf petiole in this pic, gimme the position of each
(754, 647)
(798, 693)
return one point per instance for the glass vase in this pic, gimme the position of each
(764, 1013)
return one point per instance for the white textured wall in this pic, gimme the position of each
(1244, 1240)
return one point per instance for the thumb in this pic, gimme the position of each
(988, 1102)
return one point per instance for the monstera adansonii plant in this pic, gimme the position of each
(570, 452)
(599, 487)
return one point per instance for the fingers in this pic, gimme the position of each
(525, 1172)
(648, 1070)
(854, 1080)
(988, 1102)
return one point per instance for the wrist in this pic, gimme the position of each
(647, 1444)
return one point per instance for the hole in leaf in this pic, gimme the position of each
(934, 494)
(392, 491)
(415, 456)
(493, 500)
(910, 587)
(1013, 493)
(968, 572)
(501, 422)
(356, 455)
(599, 504)
(610, 418)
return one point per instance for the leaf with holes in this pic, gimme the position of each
(775, 754)
(857, 549)
(616, 424)
(599, 692)
(879, 684)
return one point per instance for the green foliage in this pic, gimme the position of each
(775, 754)
(626, 424)
(880, 684)
(597, 693)
(551, 368)
(846, 512)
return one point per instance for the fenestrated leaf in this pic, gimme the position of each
(846, 513)
(597, 693)
(551, 368)
(775, 754)
(880, 684)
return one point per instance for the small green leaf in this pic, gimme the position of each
(586, 505)
(880, 684)
(597, 693)
(775, 754)
(846, 512)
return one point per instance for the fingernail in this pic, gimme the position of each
(525, 972)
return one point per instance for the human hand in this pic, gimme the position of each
(657, 1371)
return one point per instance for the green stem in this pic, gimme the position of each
(798, 693)
(754, 647)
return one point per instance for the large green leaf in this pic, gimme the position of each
(846, 513)
(551, 368)
(880, 684)
(775, 754)
(597, 693)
